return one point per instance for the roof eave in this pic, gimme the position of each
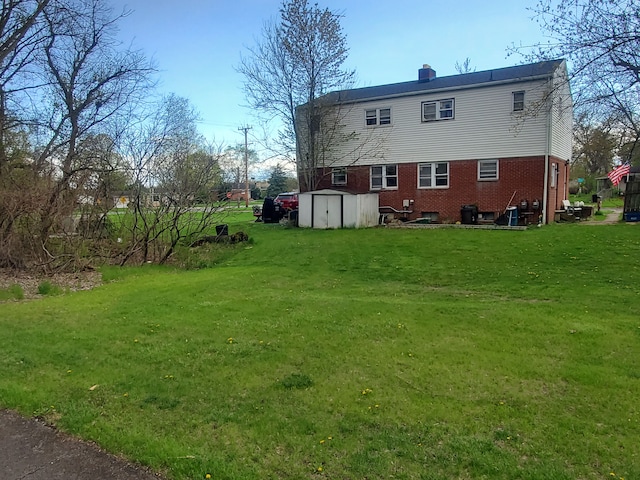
(546, 76)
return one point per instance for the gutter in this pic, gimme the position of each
(545, 194)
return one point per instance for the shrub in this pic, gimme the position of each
(14, 292)
(47, 288)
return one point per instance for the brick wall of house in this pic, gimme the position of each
(522, 176)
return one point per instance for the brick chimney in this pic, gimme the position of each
(426, 73)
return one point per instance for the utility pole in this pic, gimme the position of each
(246, 164)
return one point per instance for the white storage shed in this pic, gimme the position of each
(336, 209)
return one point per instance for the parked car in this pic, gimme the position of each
(287, 201)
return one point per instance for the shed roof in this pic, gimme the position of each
(329, 191)
(500, 75)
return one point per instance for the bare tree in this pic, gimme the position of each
(89, 81)
(601, 41)
(175, 173)
(21, 27)
(288, 74)
(67, 80)
(465, 66)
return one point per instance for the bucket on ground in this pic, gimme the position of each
(512, 216)
(222, 230)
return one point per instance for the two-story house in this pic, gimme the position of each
(487, 139)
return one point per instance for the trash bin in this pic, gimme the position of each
(269, 214)
(512, 216)
(222, 230)
(469, 214)
(293, 217)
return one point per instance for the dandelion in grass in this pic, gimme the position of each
(320, 469)
(321, 441)
(367, 391)
(208, 475)
(230, 340)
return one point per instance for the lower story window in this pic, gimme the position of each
(339, 176)
(384, 176)
(487, 169)
(433, 175)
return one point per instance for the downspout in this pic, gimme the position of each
(545, 194)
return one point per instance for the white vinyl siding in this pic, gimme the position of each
(484, 128)
(562, 122)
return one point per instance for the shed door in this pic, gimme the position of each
(327, 211)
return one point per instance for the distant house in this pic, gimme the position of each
(486, 139)
(634, 174)
(606, 189)
(122, 200)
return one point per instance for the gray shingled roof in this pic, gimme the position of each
(515, 74)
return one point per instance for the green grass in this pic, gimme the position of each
(13, 292)
(380, 353)
(48, 288)
(616, 201)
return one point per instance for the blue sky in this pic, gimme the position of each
(197, 44)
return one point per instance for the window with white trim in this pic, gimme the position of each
(487, 169)
(339, 176)
(518, 101)
(433, 175)
(384, 176)
(377, 116)
(438, 110)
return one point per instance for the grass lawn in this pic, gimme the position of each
(351, 354)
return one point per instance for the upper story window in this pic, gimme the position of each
(518, 101)
(438, 110)
(487, 169)
(339, 176)
(384, 176)
(433, 175)
(377, 116)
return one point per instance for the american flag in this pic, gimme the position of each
(617, 173)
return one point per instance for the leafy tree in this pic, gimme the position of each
(232, 163)
(277, 181)
(594, 148)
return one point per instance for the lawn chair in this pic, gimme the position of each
(571, 211)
